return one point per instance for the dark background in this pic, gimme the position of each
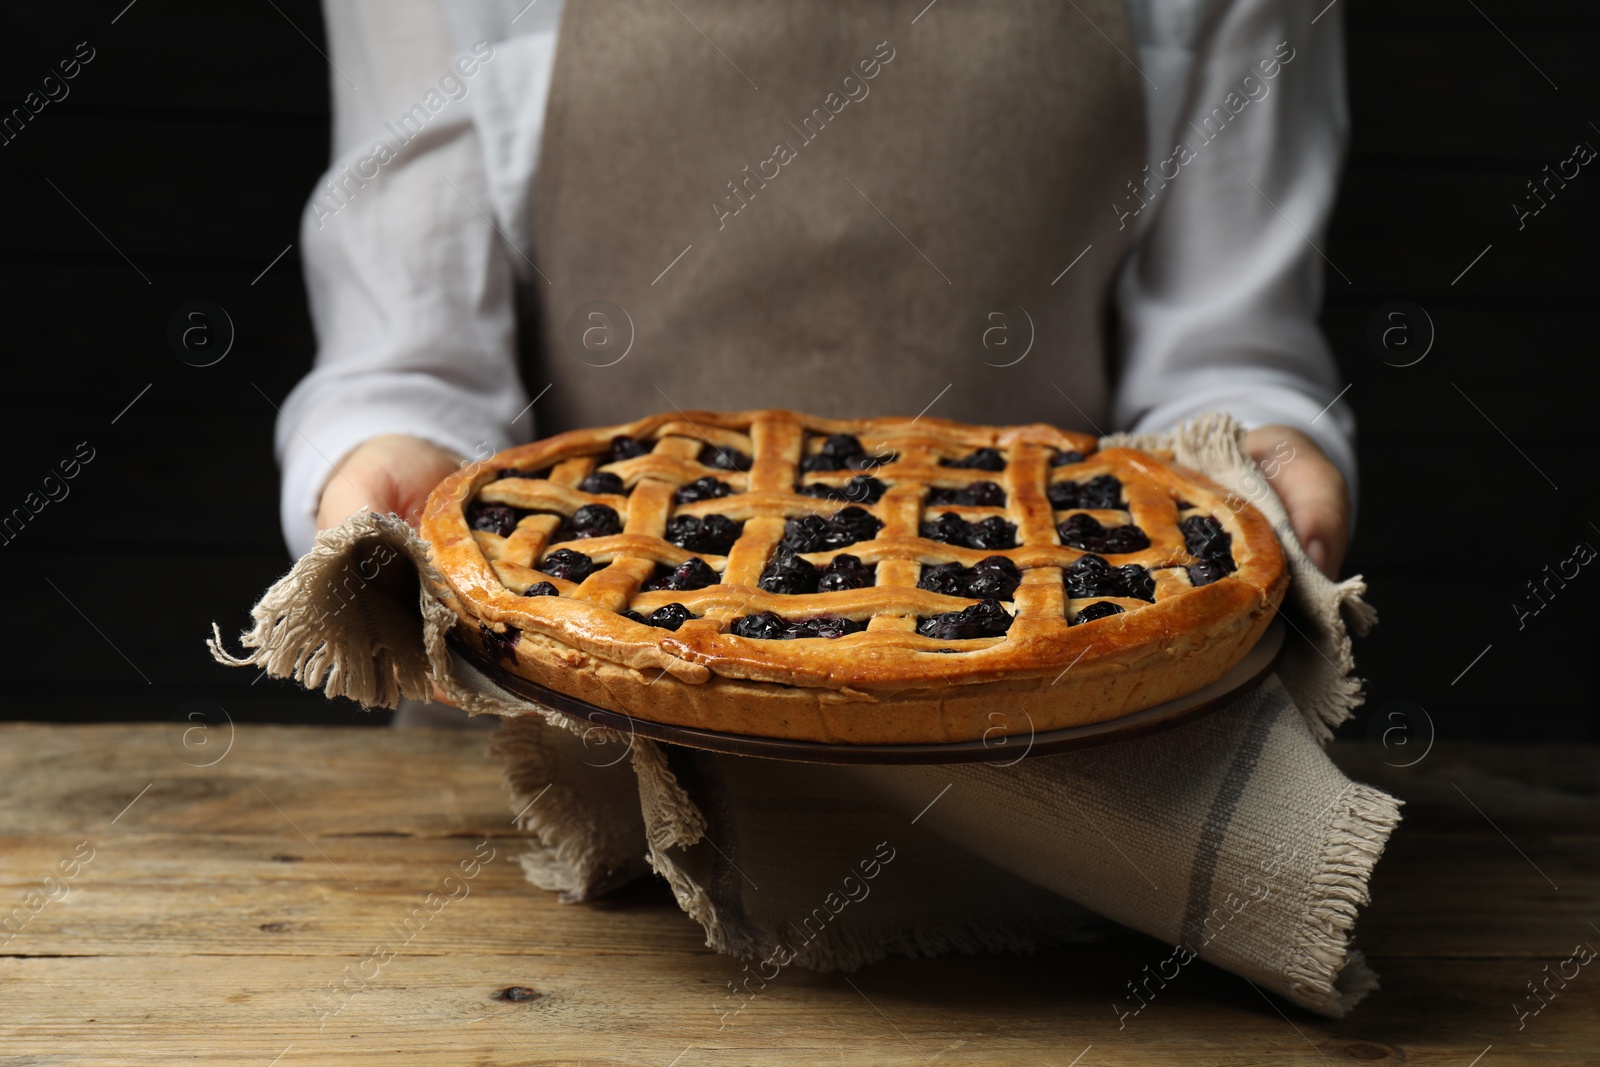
(193, 138)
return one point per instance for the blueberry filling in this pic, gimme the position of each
(980, 494)
(792, 575)
(1101, 492)
(772, 627)
(1085, 532)
(1098, 610)
(991, 533)
(565, 563)
(603, 482)
(862, 489)
(842, 452)
(706, 488)
(514, 473)
(992, 578)
(843, 572)
(500, 645)
(723, 459)
(493, 518)
(1091, 576)
(767, 626)
(1208, 541)
(591, 520)
(984, 459)
(665, 618)
(623, 447)
(789, 574)
(813, 533)
(983, 619)
(692, 573)
(1061, 459)
(1205, 572)
(541, 589)
(714, 533)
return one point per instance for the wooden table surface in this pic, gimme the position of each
(161, 913)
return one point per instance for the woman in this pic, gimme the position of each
(1100, 215)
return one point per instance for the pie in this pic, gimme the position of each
(878, 581)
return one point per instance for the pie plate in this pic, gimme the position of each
(1006, 743)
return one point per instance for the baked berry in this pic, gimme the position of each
(980, 494)
(565, 563)
(993, 578)
(629, 613)
(1182, 504)
(1205, 572)
(766, 626)
(591, 520)
(1124, 539)
(813, 533)
(843, 572)
(723, 459)
(949, 528)
(692, 573)
(949, 579)
(836, 454)
(1085, 532)
(993, 532)
(500, 645)
(826, 626)
(1104, 491)
(670, 617)
(763, 626)
(1098, 610)
(624, 447)
(865, 462)
(984, 459)
(1061, 459)
(789, 574)
(1207, 540)
(493, 518)
(706, 488)
(602, 482)
(861, 489)
(1089, 576)
(808, 533)
(541, 589)
(714, 533)
(1137, 582)
(850, 525)
(983, 619)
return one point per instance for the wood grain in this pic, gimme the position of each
(207, 928)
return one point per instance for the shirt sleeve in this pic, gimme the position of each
(1218, 301)
(410, 290)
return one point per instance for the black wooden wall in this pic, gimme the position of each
(176, 167)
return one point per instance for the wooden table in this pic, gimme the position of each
(209, 910)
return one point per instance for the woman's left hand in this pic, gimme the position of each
(1311, 487)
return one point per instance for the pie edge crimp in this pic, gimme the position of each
(1071, 675)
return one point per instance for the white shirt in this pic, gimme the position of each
(413, 251)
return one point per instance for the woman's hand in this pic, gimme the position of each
(1312, 489)
(393, 473)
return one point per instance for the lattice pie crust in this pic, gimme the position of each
(1037, 648)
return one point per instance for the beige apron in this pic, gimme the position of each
(845, 208)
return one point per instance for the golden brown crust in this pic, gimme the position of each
(886, 684)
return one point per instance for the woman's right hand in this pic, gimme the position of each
(393, 473)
